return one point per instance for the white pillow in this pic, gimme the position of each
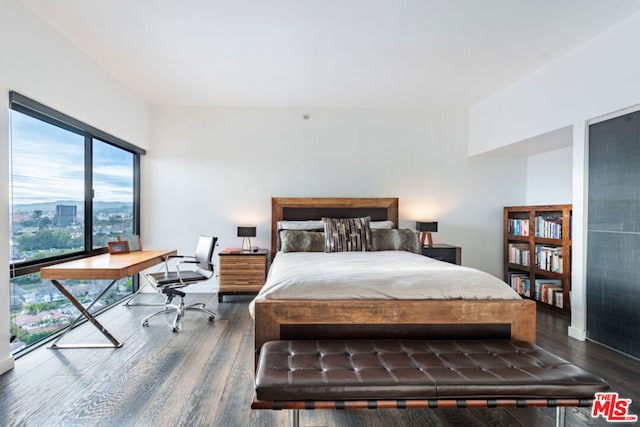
(377, 225)
(301, 225)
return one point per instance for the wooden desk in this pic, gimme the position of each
(99, 267)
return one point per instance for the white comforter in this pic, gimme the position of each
(376, 275)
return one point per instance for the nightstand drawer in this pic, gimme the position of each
(443, 252)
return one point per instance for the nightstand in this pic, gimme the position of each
(443, 252)
(242, 273)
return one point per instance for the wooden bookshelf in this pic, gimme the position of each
(537, 253)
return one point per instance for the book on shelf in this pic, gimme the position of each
(519, 253)
(549, 258)
(548, 226)
(519, 282)
(518, 227)
(558, 298)
(545, 290)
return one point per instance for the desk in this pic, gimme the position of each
(99, 267)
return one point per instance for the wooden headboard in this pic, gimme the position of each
(307, 208)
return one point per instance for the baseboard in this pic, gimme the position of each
(579, 334)
(7, 364)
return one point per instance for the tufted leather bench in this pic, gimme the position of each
(412, 373)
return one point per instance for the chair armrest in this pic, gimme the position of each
(212, 265)
(192, 262)
(167, 257)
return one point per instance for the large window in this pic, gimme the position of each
(73, 189)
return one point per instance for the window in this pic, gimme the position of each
(47, 190)
(73, 189)
(113, 190)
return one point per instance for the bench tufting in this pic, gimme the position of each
(336, 374)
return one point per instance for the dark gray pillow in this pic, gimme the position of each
(396, 240)
(301, 241)
(347, 234)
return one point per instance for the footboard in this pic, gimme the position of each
(406, 319)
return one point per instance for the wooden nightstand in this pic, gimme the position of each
(443, 252)
(242, 273)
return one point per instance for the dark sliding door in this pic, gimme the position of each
(613, 233)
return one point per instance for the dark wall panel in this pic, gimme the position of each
(613, 290)
(614, 174)
(613, 238)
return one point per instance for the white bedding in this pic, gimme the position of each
(376, 275)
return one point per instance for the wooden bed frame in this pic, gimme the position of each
(424, 319)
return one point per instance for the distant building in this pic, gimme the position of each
(19, 216)
(66, 214)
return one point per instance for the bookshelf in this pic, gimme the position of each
(537, 253)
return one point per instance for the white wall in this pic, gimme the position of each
(211, 169)
(549, 177)
(38, 63)
(596, 78)
(599, 77)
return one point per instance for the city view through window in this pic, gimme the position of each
(48, 219)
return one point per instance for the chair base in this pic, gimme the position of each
(179, 310)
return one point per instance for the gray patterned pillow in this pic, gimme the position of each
(301, 241)
(347, 234)
(396, 240)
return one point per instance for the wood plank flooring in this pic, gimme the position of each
(203, 376)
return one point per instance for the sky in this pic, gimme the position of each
(38, 150)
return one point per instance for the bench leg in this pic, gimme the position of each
(560, 416)
(294, 418)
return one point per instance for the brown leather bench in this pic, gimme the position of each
(375, 374)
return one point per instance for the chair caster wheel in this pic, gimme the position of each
(145, 323)
(211, 318)
(174, 329)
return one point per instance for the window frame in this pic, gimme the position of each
(32, 108)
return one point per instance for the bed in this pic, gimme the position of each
(373, 317)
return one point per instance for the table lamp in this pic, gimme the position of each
(246, 233)
(425, 229)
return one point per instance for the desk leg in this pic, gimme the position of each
(84, 312)
(130, 299)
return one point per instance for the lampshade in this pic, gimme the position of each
(427, 226)
(246, 231)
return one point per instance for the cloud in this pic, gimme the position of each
(47, 164)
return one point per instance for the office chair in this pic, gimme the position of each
(170, 282)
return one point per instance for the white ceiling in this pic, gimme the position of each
(325, 53)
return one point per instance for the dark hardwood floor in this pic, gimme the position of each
(203, 376)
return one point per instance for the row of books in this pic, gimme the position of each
(518, 227)
(519, 253)
(548, 291)
(549, 258)
(549, 227)
(519, 282)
